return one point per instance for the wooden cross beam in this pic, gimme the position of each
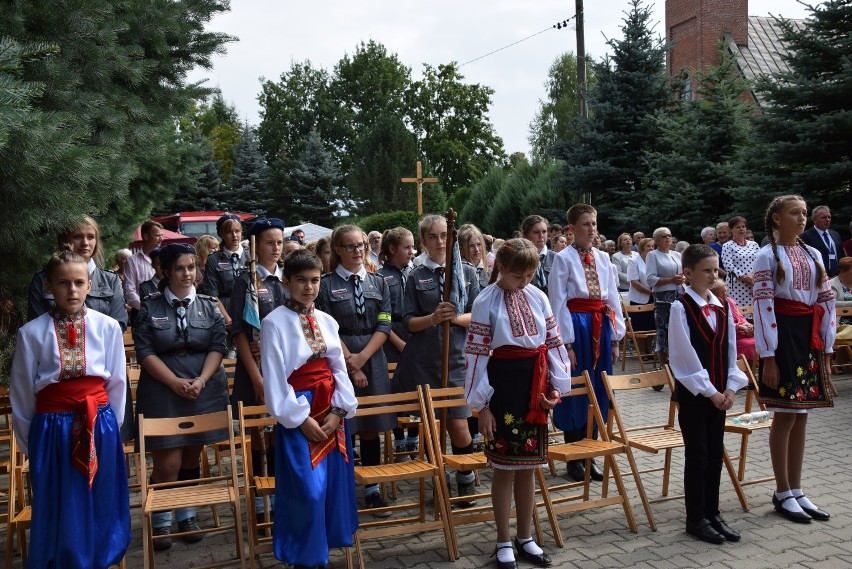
(419, 180)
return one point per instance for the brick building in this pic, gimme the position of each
(694, 28)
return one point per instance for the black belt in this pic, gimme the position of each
(356, 331)
(184, 352)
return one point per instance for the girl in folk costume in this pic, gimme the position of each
(68, 387)
(794, 319)
(307, 390)
(360, 303)
(585, 300)
(534, 228)
(514, 388)
(180, 341)
(270, 294)
(395, 255)
(423, 315)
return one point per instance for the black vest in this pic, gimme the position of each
(711, 347)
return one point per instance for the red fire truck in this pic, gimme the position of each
(197, 223)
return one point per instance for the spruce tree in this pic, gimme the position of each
(607, 157)
(250, 178)
(313, 181)
(481, 196)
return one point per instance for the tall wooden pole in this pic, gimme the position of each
(452, 236)
(582, 110)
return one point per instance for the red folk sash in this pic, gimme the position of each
(598, 309)
(316, 375)
(789, 307)
(536, 414)
(82, 395)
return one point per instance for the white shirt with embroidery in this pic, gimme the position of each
(799, 284)
(568, 280)
(37, 364)
(686, 367)
(284, 349)
(511, 318)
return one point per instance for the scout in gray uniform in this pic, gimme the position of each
(395, 257)
(149, 287)
(360, 303)
(106, 295)
(423, 314)
(225, 265)
(472, 249)
(534, 228)
(180, 341)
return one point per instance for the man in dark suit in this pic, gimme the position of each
(823, 239)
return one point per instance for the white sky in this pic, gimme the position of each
(272, 33)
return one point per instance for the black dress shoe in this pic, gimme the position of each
(727, 531)
(703, 530)
(815, 513)
(504, 564)
(540, 559)
(596, 473)
(577, 470)
(798, 517)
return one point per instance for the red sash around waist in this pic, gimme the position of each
(598, 309)
(789, 307)
(316, 375)
(536, 414)
(82, 395)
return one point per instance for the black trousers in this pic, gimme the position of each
(703, 428)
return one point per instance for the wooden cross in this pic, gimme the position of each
(419, 180)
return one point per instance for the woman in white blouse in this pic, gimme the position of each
(665, 275)
(640, 292)
(621, 258)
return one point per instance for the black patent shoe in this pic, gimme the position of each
(703, 530)
(727, 531)
(504, 564)
(798, 517)
(596, 472)
(815, 513)
(540, 559)
(577, 470)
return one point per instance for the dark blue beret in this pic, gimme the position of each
(170, 253)
(224, 218)
(155, 252)
(263, 224)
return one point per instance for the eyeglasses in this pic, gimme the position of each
(352, 247)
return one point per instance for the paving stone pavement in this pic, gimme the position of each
(602, 539)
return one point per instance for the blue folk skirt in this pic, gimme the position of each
(73, 527)
(315, 508)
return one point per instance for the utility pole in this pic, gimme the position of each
(582, 109)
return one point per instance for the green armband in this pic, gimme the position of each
(384, 317)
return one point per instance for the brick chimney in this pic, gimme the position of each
(694, 28)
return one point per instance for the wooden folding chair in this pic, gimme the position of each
(427, 465)
(653, 439)
(19, 513)
(206, 491)
(751, 405)
(843, 349)
(587, 449)
(447, 398)
(636, 338)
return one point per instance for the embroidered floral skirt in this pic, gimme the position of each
(802, 380)
(517, 444)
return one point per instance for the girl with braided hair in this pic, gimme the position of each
(794, 335)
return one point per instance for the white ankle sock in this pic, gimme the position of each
(505, 551)
(789, 505)
(530, 546)
(802, 500)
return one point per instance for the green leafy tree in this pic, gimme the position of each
(219, 123)
(702, 139)
(249, 181)
(607, 156)
(804, 143)
(450, 118)
(556, 117)
(313, 182)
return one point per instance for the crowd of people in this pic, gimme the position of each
(525, 315)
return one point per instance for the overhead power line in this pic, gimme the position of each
(557, 26)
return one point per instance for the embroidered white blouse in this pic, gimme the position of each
(686, 367)
(511, 318)
(568, 280)
(283, 350)
(38, 363)
(799, 284)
